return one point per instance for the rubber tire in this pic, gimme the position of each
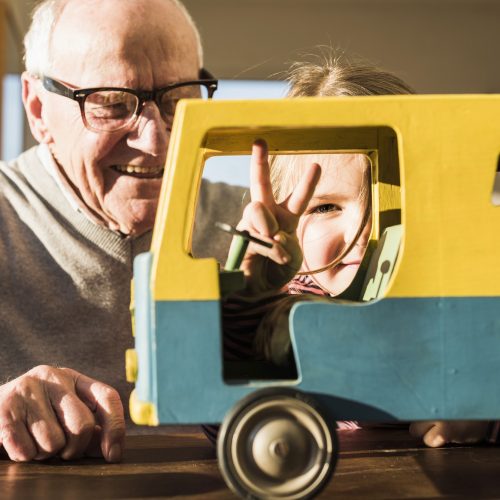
(249, 403)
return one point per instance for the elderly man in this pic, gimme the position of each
(102, 81)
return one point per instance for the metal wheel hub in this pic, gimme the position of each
(281, 448)
(277, 446)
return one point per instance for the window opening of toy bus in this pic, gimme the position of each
(334, 259)
(223, 195)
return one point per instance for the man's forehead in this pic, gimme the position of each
(132, 13)
(151, 36)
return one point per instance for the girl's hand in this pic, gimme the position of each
(438, 433)
(269, 269)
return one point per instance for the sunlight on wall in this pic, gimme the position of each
(12, 118)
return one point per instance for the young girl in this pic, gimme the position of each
(315, 209)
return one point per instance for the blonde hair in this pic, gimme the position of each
(335, 76)
(37, 41)
(332, 75)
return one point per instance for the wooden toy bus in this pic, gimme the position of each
(420, 341)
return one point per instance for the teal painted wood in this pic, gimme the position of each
(406, 359)
(179, 352)
(191, 388)
(393, 359)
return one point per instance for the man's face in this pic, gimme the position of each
(127, 43)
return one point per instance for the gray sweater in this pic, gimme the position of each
(65, 288)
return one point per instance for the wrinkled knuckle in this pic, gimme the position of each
(9, 405)
(84, 428)
(67, 371)
(252, 208)
(108, 393)
(24, 390)
(258, 206)
(248, 212)
(41, 371)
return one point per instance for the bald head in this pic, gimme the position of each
(148, 36)
(132, 20)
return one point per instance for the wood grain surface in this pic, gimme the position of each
(373, 464)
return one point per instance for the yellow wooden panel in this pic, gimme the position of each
(447, 146)
(175, 274)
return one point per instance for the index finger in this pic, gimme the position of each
(105, 402)
(260, 177)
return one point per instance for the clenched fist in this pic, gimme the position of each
(59, 412)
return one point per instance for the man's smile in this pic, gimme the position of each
(139, 171)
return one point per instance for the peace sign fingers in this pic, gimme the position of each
(263, 267)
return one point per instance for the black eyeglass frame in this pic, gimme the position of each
(80, 95)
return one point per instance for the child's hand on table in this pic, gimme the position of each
(438, 433)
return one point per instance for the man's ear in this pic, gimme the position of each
(33, 107)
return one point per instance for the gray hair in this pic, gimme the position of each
(37, 42)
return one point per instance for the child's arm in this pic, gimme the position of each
(268, 270)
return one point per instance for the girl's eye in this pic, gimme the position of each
(326, 208)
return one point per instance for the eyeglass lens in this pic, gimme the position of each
(109, 109)
(112, 109)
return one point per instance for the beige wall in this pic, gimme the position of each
(437, 45)
(17, 23)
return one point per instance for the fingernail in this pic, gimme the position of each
(115, 453)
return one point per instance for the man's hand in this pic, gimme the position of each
(438, 433)
(59, 412)
(270, 269)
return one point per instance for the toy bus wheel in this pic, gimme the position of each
(277, 443)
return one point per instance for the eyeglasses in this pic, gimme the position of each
(108, 109)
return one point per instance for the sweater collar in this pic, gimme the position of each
(52, 189)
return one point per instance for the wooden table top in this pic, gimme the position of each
(375, 464)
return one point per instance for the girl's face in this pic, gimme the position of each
(333, 218)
